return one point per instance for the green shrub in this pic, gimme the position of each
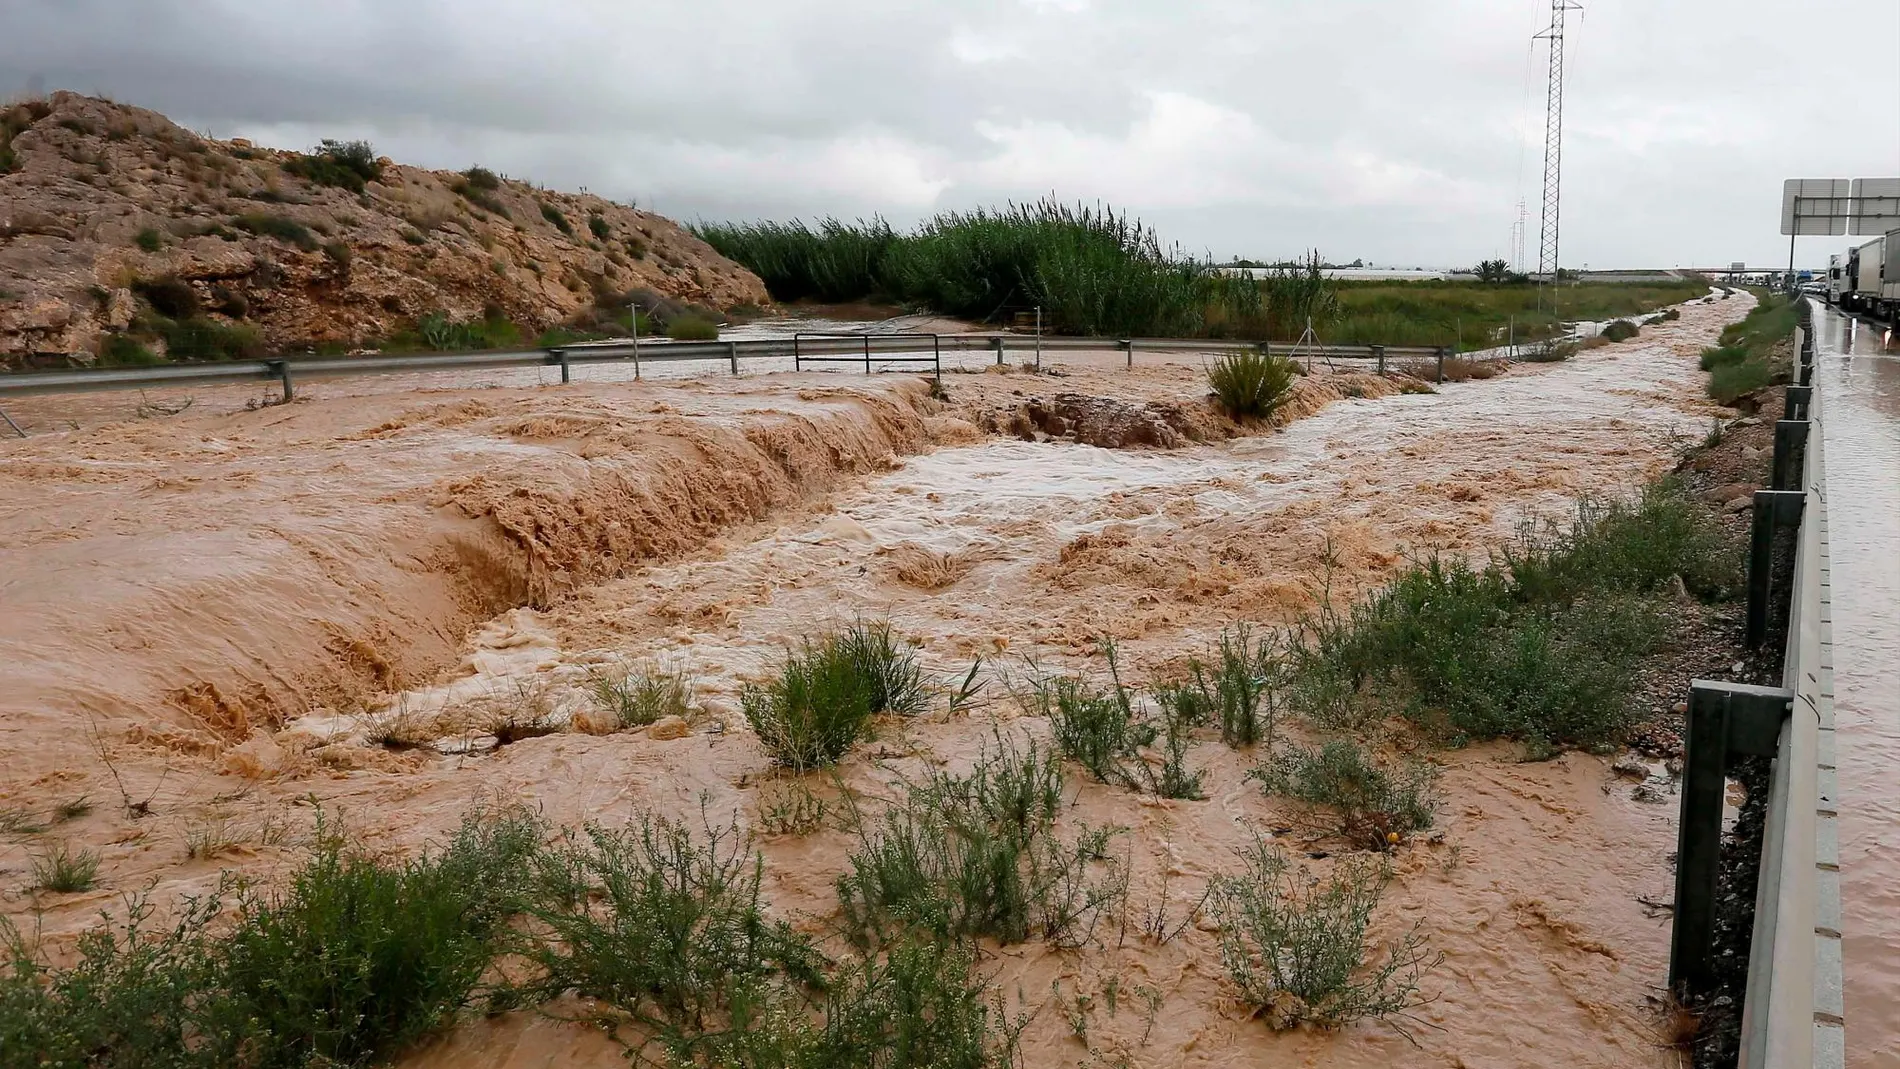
(358, 958)
(553, 215)
(437, 331)
(201, 339)
(1621, 330)
(170, 296)
(664, 926)
(279, 227)
(123, 350)
(828, 691)
(482, 179)
(149, 239)
(692, 328)
(638, 697)
(1372, 806)
(122, 1004)
(599, 227)
(347, 165)
(1295, 947)
(1251, 384)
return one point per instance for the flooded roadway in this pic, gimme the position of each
(1860, 390)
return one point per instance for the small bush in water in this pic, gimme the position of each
(1251, 384)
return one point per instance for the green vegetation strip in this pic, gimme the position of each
(1743, 359)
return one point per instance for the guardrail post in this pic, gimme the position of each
(559, 356)
(732, 355)
(280, 370)
(996, 343)
(1378, 353)
(1774, 509)
(796, 355)
(1791, 444)
(1797, 401)
(867, 354)
(1128, 345)
(1441, 365)
(1725, 719)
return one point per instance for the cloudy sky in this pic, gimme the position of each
(1400, 131)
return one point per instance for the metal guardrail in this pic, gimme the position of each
(1792, 1006)
(891, 348)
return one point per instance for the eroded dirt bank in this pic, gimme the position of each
(619, 517)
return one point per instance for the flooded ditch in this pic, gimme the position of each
(229, 606)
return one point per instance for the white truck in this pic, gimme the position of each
(1870, 277)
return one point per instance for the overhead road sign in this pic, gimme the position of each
(1876, 206)
(1836, 206)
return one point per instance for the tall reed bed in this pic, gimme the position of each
(1091, 270)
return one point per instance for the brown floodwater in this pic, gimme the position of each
(1860, 390)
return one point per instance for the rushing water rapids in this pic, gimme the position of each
(228, 596)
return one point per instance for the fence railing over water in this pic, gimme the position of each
(1792, 1006)
(868, 349)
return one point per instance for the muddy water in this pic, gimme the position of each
(1008, 549)
(1860, 389)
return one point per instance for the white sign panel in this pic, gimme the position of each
(1876, 207)
(1815, 205)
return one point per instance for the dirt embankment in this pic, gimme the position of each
(104, 199)
(196, 578)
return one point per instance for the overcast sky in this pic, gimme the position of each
(1401, 131)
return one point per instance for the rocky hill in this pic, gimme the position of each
(125, 238)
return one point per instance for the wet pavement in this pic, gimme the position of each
(1860, 396)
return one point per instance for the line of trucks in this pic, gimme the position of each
(1866, 278)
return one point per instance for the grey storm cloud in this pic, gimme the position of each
(1402, 131)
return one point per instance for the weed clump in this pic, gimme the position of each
(978, 856)
(639, 697)
(1106, 731)
(1239, 692)
(1621, 330)
(663, 925)
(1372, 806)
(350, 165)
(149, 240)
(63, 870)
(1251, 384)
(1295, 946)
(828, 691)
(358, 957)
